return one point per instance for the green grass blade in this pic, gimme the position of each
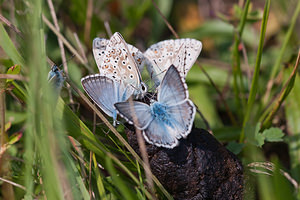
(126, 192)
(9, 48)
(283, 95)
(100, 186)
(254, 84)
(285, 42)
(236, 67)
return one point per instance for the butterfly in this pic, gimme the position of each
(105, 92)
(56, 77)
(182, 53)
(120, 61)
(166, 119)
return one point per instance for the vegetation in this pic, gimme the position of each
(57, 144)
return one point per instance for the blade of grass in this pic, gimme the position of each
(238, 83)
(9, 48)
(119, 136)
(254, 84)
(285, 91)
(100, 186)
(281, 52)
(118, 182)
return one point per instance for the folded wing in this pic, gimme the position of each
(105, 92)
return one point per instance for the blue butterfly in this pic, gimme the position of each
(105, 92)
(56, 77)
(166, 120)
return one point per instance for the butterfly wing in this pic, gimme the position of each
(182, 117)
(105, 92)
(138, 56)
(173, 89)
(160, 134)
(180, 52)
(99, 48)
(170, 123)
(135, 112)
(115, 61)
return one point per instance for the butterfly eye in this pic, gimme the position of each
(143, 87)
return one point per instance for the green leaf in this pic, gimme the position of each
(235, 147)
(252, 134)
(9, 47)
(15, 138)
(16, 69)
(273, 134)
(260, 139)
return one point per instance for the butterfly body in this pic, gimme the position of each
(55, 76)
(166, 119)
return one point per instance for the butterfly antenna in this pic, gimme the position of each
(66, 61)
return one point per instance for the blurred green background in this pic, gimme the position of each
(249, 94)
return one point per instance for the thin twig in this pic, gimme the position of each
(204, 120)
(10, 25)
(107, 28)
(61, 47)
(13, 183)
(143, 150)
(271, 167)
(244, 51)
(88, 21)
(14, 76)
(230, 115)
(66, 43)
(80, 47)
(165, 20)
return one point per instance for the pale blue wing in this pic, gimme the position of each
(173, 89)
(161, 134)
(182, 117)
(170, 123)
(135, 112)
(105, 92)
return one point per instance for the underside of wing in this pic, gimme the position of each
(105, 92)
(99, 49)
(182, 53)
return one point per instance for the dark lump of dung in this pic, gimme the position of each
(198, 168)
